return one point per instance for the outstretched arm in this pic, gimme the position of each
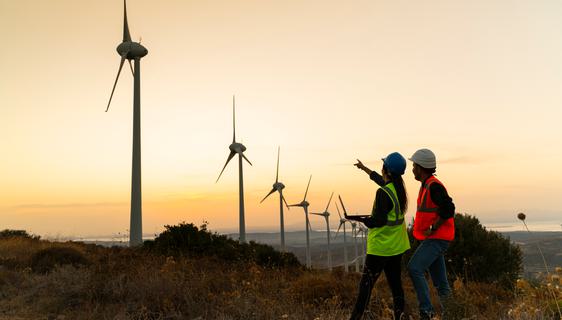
(377, 178)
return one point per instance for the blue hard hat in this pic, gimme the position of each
(395, 163)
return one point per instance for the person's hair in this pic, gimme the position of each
(400, 189)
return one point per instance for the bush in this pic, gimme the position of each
(186, 239)
(45, 260)
(8, 233)
(480, 255)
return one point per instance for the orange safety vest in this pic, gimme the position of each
(426, 215)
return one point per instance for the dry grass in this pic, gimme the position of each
(123, 283)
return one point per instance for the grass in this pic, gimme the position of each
(123, 283)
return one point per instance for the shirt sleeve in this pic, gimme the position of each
(439, 196)
(377, 178)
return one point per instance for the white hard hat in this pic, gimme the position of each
(424, 158)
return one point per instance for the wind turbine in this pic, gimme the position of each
(326, 216)
(354, 234)
(237, 148)
(342, 223)
(130, 50)
(304, 204)
(279, 186)
(364, 231)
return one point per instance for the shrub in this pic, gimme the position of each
(45, 260)
(186, 239)
(480, 255)
(8, 233)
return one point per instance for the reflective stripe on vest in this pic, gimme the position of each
(426, 215)
(398, 215)
(392, 238)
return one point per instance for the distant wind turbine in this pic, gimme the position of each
(343, 221)
(304, 204)
(279, 186)
(237, 148)
(130, 50)
(326, 216)
(354, 233)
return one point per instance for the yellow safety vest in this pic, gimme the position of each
(391, 239)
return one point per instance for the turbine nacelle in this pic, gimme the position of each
(237, 147)
(278, 186)
(303, 204)
(131, 50)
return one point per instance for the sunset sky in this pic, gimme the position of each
(478, 82)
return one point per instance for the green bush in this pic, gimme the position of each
(480, 255)
(8, 233)
(186, 239)
(45, 260)
(484, 256)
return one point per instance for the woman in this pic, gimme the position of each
(388, 239)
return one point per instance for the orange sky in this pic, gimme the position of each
(478, 82)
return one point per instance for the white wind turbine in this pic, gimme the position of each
(354, 234)
(343, 221)
(304, 204)
(326, 216)
(364, 232)
(279, 186)
(130, 50)
(237, 148)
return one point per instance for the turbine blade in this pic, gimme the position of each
(342, 206)
(309, 226)
(338, 230)
(316, 213)
(308, 185)
(338, 208)
(126, 33)
(277, 174)
(243, 156)
(270, 192)
(230, 156)
(329, 202)
(295, 205)
(131, 66)
(117, 78)
(283, 197)
(233, 119)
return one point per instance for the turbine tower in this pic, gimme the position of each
(130, 50)
(237, 148)
(326, 216)
(304, 204)
(342, 223)
(279, 186)
(354, 234)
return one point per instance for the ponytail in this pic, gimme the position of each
(401, 192)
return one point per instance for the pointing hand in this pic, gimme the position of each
(359, 164)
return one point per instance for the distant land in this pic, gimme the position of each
(550, 243)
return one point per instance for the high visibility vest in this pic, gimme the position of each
(426, 215)
(391, 239)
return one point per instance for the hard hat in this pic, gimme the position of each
(395, 163)
(425, 158)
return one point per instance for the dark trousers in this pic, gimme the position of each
(374, 265)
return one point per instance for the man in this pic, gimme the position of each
(434, 227)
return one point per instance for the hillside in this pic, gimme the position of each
(94, 282)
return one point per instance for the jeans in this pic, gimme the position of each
(374, 266)
(429, 256)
